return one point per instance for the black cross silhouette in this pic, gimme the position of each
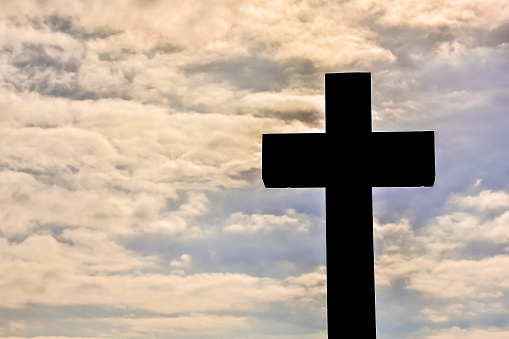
(348, 160)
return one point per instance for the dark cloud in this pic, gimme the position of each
(59, 24)
(71, 25)
(125, 53)
(119, 55)
(407, 41)
(39, 57)
(163, 48)
(493, 37)
(54, 67)
(311, 117)
(259, 73)
(52, 70)
(48, 69)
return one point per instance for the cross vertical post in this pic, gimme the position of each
(348, 160)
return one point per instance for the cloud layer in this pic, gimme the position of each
(131, 199)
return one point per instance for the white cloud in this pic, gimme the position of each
(467, 333)
(320, 33)
(120, 162)
(459, 311)
(254, 223)
(431, 260)
(55, 274)
(86, 267)
(484, 201)
(455, 14)
(452, 266)
(199, 323)
(185, 260)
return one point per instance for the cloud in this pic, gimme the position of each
(128, 62)
(204, 324)
(160, 64)
(83, 271)
(302, 106)
(485, 200)
(116, 164)
(125, 124)
(454, 14)
(468, 333)
(185, 260)
(240, 222)
(450, 269)
(430, 258)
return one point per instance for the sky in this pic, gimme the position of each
(131, 197)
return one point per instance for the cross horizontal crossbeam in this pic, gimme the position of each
(393, 159)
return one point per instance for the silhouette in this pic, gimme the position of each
(348, 160)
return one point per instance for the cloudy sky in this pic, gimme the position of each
(130, 190)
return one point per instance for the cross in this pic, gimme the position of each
(348, 160)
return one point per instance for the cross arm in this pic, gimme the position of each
(402, 159)
(294, 160)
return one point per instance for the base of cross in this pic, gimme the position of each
(348, 160)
